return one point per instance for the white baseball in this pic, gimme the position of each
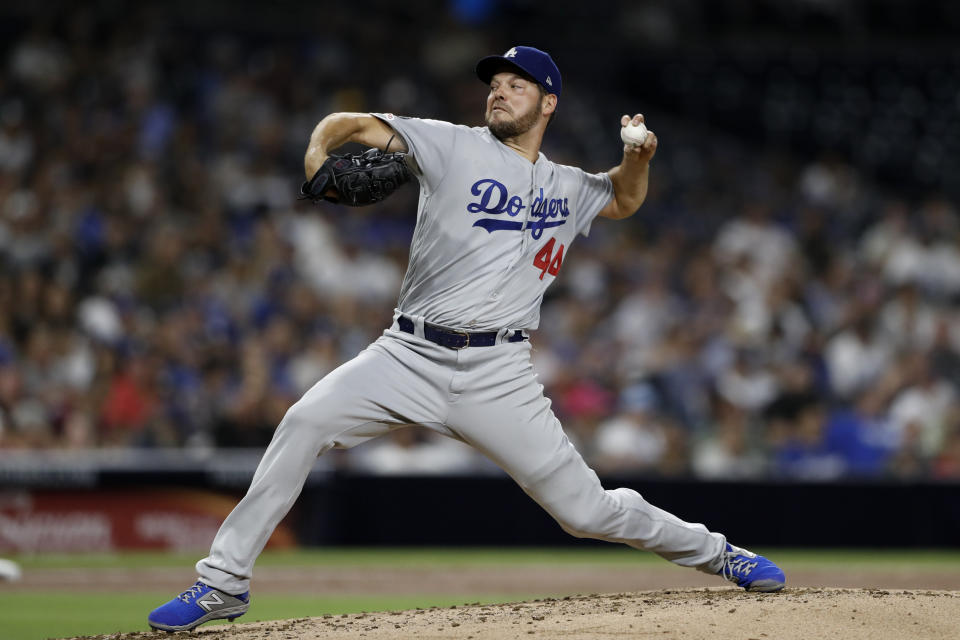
(9, 570)
(633, 134)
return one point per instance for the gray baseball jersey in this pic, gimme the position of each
(492, 227)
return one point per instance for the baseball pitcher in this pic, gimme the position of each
(495, 222)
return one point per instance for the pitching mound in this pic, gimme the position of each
(714, 614)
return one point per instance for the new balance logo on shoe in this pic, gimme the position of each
(739, 566)
(213, 598)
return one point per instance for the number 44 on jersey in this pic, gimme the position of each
(546, 261)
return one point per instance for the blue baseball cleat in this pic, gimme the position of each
(198, 604)
(750, 571)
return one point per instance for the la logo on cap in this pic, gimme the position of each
(512, 53)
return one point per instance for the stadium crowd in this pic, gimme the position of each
(764, 314)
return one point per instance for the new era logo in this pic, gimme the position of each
(549, 81)
(512, 53)
(211, 599)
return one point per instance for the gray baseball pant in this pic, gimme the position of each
(487, 397)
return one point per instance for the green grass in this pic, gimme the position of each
(472, 557)
(354, 557)
(34, 616)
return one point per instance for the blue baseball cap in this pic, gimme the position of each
(533, 62)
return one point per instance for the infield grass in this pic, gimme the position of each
(451, 557)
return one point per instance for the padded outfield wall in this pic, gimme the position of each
(171, 501)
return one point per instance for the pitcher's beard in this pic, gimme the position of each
(504, 129)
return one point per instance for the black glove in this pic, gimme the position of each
(357, 179)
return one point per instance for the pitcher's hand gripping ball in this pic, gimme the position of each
(634, 134)
(357, 179)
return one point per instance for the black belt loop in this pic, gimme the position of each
(454, 339)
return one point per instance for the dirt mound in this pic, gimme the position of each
(687, 614)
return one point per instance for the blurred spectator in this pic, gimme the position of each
(129, 403)
(920, 412)
(907, 320)
(637, 438)
(856, 356)
(727, 450)
(863, 437)
(748, 383)
(802, 448)
(946, 466)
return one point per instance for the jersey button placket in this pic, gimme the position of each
(527, 210)
(524, 240)
(495, 295)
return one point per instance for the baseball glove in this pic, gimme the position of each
(357, 179)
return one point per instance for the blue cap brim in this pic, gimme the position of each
(487, 68)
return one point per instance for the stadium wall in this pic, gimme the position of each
(89, 507)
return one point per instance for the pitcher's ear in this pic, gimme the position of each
(549, 103)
